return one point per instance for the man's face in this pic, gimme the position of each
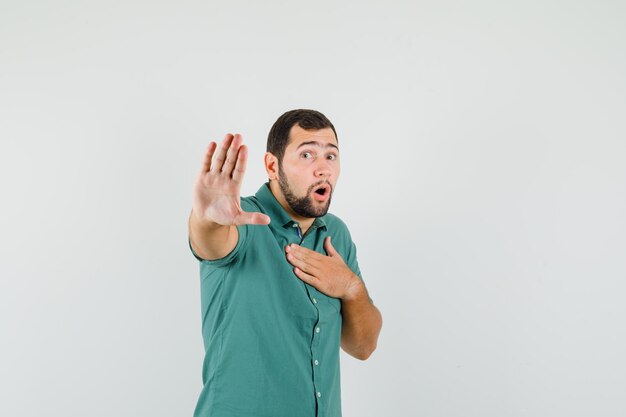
(309, 171)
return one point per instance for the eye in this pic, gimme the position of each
(307, 155)
(332, 157)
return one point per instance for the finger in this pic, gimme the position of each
(301, 263)
(307, 255)
(206, 162)
(220, 155)
(308, 278)
(252, 218)
(240, 167)
(231, 155)
(330, 249)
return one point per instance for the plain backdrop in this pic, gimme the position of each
(483, 180)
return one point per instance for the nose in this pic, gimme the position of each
(322, 170)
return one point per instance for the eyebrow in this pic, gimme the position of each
(316, 143)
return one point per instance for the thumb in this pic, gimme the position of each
(330, 250)
(252, 218)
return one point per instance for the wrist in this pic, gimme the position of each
(202, 222)
(356, 291)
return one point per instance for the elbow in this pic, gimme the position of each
(363, 354)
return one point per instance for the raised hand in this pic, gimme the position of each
(216, 191)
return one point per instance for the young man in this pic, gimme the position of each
(281, 288)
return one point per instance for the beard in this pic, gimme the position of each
(302, 206)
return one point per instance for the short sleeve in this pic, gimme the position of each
(242, 240)
(352, 261)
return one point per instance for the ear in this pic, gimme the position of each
(271, 165)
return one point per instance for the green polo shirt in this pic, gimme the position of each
(271, 341)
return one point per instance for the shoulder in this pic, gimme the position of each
(336, 227)
(249, 200)
(342, 241)
(335, 221)
(250, 203)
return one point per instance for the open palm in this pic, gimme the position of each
(216, 192)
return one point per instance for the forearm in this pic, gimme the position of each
(361, 324)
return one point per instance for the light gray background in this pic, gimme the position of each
(483, 179)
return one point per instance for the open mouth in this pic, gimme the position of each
(322, 192)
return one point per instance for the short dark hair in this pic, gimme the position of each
(278, 138)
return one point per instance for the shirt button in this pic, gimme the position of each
(319, 394)
(316, 362)
(314, 301)
(317, 330)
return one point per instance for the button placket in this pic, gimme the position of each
(298, 231)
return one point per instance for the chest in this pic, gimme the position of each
(270, 284)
